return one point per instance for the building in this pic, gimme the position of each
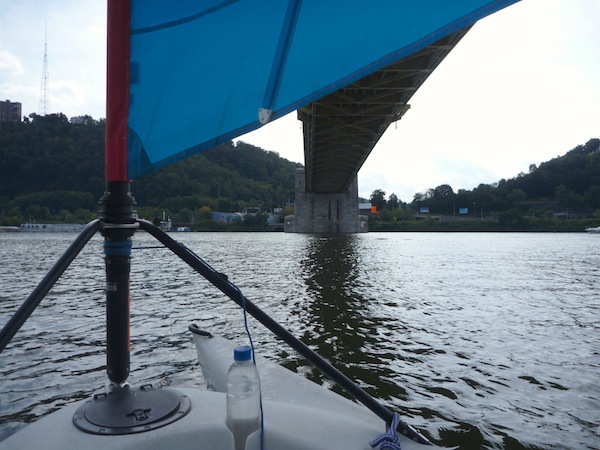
(225, 217)
(10, 111)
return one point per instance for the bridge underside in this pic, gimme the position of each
(341, 129)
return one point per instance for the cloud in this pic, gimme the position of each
(10, 65)
(65, 95)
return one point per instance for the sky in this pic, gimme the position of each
(521, 88)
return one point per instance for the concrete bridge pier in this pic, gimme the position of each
(325, 213)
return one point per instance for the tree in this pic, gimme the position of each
(567, 198)
(256, 222)
(592, 197)
(204, 213)
(517, 196)
(287, 211)
(443, 199)
(378, 199)
(393, 202)
(511, 220)
(443, 191)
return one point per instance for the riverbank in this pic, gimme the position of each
(442, 224)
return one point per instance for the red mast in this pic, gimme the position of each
(117, 90)
(116, 206)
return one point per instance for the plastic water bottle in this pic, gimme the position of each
(243, 396)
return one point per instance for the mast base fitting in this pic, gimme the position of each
(129, 410)
(116, 205)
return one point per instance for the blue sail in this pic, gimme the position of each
(203, 71)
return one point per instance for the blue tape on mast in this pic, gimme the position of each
(119, 248)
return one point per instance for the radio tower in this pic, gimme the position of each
(44, 107)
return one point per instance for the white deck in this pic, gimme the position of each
(298, 415)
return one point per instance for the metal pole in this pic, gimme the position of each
(119, 225)
(117, 202)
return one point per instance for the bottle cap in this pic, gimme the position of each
(242, 353)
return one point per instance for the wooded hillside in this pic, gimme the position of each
(52, 169)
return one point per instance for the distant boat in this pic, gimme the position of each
(8, 229)
(51, 227)
(593, 230)
(166, 224)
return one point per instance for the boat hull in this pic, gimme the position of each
(290, 426)
(298, 415)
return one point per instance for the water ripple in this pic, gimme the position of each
(480, 340)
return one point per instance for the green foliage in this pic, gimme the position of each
(393, 202)
(49, 154)
(227, 178)
(516, 196)
(575, 173)
(562, 194)
(570, 182)
(511, 220)
(251, 222)
(378, 199)
(52, 169)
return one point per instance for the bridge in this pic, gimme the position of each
(341, 130)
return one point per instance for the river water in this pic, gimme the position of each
(479, 340)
